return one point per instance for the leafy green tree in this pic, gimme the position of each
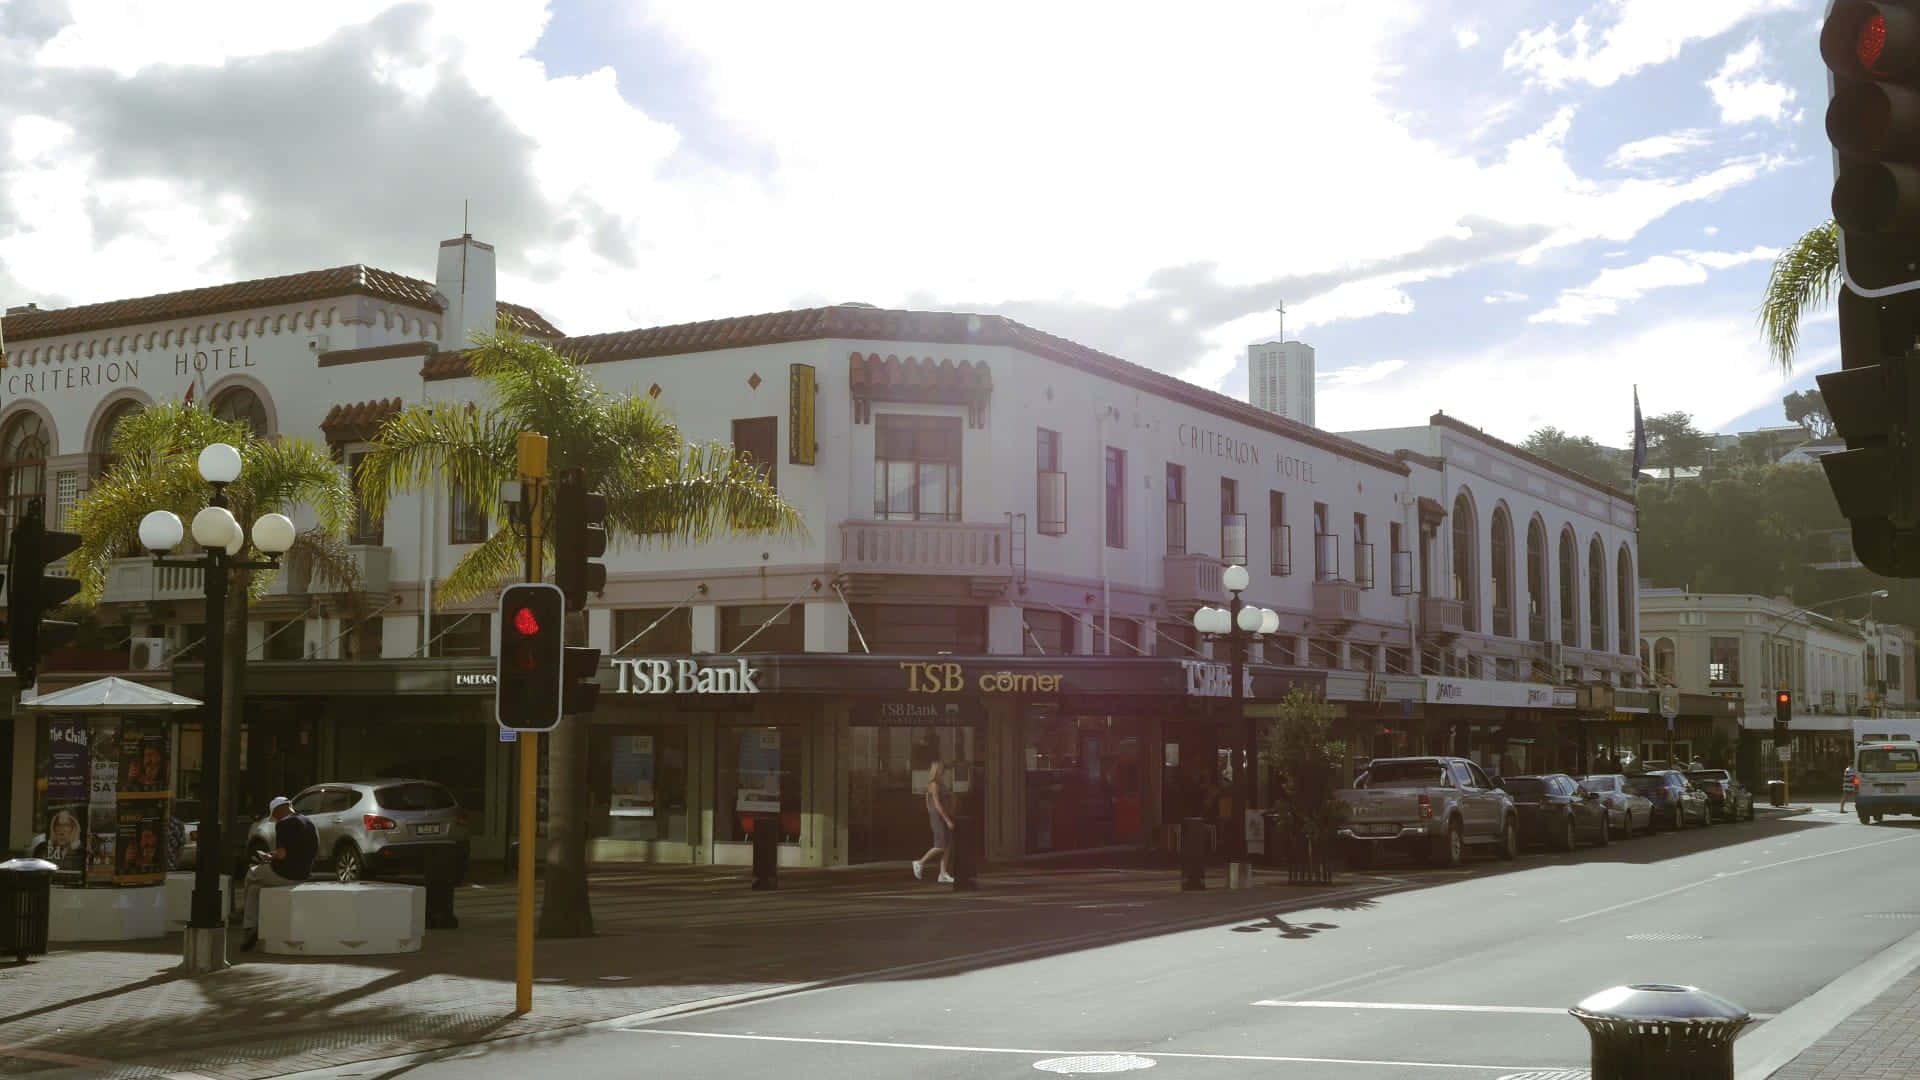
(1300, 750)
(155, 466)
(1808, 409)
(1803, 279)
(1674, 443)
(659, 489)
(1581, 454)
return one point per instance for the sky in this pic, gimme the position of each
(1515, 213)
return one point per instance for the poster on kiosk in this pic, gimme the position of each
(108, 786)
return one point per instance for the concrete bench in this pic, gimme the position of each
(180, 898)
(107, 914)
(326, 918)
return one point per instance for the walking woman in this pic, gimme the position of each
(940, 817)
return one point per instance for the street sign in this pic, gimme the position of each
(1669, 701)
(508, 734)
(1786, 753)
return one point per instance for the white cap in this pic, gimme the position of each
(278, 802)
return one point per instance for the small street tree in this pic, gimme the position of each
(1307, 764)
(155, 466)
(659, 488)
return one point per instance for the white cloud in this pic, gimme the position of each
(1711, 230)
(1727, 375)
(1638, 35)
(1360, 374)
(1655, 147)
(1466, 37)
(1619, 285)
(1743, 94)
(1506, 296)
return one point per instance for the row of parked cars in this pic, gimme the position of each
(1436, 808)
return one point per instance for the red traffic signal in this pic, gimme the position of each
(1783, 698)
(529, 673)
(1873, 120)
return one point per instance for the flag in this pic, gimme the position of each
(1639, 437)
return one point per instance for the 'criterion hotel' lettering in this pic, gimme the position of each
(73, 377)
(1242, 452)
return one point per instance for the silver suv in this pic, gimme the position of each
(372, 828)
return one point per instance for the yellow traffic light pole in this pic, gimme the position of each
(532, 454)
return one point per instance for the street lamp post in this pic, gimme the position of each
(1238, 622)
(223, 539)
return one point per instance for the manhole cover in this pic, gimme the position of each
(1893, 915)
(1088, 1064)
(1664, 937)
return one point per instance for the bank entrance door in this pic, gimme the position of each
(887, 778)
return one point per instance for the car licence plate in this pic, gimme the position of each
(429, 830)
(1890, 787)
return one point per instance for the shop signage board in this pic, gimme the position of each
(686, 676)
(1786, 753)
(1496, 694)
(800, 414)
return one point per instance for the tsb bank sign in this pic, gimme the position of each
(685, 677)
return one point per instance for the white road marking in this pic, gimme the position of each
(943, 1048)
(1342, 982)
(1541, 1010)
(1733, 874)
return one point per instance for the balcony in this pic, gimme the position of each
(138, 581)
(980, 552)
(1441, 616)
(1326, 557)
(373, 566)
(1193, 581)
(1336, 602)
(1363, 564)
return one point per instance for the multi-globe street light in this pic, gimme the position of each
(1238, 623)
(222, 539)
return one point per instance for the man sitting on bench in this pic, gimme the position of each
(295, 843)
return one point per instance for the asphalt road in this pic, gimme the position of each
(1468, 973)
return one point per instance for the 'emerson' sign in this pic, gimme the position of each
(685, 677)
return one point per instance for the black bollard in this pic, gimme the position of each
(1193, 855)
(766, 852)
(964, 858)
(443, 873)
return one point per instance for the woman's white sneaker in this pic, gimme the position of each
(946, 879)
(916, 870)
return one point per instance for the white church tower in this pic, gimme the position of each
(1280, 375)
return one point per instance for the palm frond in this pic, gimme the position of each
(1803, 278)
(482, 569)
(698, 495)
(326, 559)
(436, 446)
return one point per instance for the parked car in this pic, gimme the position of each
(1631, 813)
(375, 828)
(1676, 802)
(1433, 806)
(1727, 798)
(1556, 811)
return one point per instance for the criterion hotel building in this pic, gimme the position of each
(1007, 536)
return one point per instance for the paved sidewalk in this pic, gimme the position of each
(1879, 1042)
(667, 936)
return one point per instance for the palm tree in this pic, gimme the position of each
(155, 455)
(1804, 278)
(659, 489)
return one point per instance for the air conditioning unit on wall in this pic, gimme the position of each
(147, 654)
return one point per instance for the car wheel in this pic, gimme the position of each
(1679, 817)
(1509, 841)
(1606, 831)
(1865, 818)
(1453, 846)
(348, 865)
(1565, 841)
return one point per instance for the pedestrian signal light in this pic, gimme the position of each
(528, 673)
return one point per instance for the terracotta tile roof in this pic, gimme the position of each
(1441, 419)
(861, 323)
(336, 357)
(355, 280)
(873, 375)
(358, 422)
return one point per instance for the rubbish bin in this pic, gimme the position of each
(766, 852)
(443, 874)
(1194, 843)
(26, 902)
(1652, 1029)
(1273, 838)
(1777, 792)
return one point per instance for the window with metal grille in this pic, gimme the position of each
(1176, 509)
(1116, 497)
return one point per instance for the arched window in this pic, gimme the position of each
(1502, 573)
(1466, 546)
(102, 449)
(1663, 661)
(1536, 581)
(1596, 596)
(1569, 588)
(23, 458)
(1628, 595)
(241, 403)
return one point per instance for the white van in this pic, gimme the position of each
(1889, 779)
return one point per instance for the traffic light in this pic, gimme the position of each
(579, 537)
(31, 593)
(581, 688)
(1872, 47)
(528, 675)
(1782, 713)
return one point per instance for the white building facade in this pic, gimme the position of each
(1007, 536)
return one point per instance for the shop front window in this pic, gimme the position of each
(888, 765)
(1083, 781)
(637, 783)
(759, 770)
